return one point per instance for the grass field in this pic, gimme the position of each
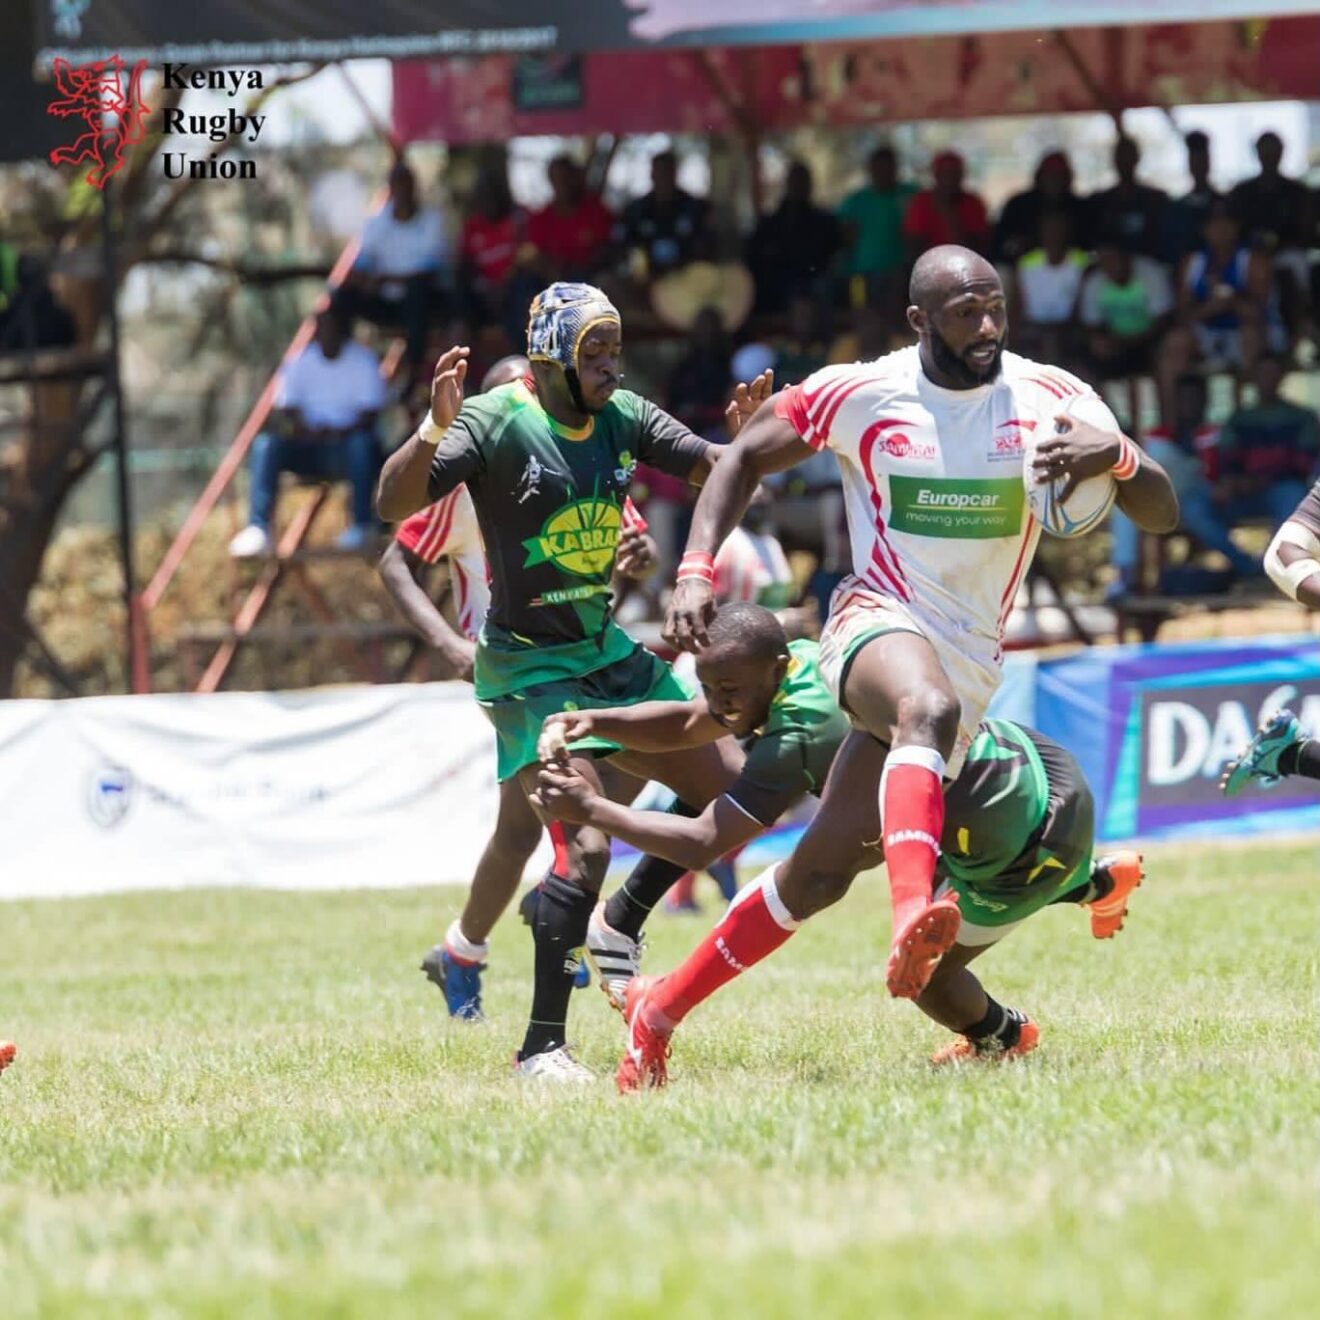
(242, 1104)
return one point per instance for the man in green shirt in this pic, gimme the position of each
(1018, 836)
(548, 471)
(875, 260)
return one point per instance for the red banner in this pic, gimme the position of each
(779, 87)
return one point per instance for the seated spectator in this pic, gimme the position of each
(1273, 210)
(664, 229)
(1126, 305)
(1266, 453)
(1186, 217)
(1019, 229)
(946, 212)
(1045, 289)
(1276, 216)
(1130, 211)
(323, 426)
(805, 348)
(1228, 296)
(30, 316)
(1185, 449)
(397, 277)
(571, 234)
(875, 259)
(751, 564)
(792, 249)
(699, 385)
(491, 249)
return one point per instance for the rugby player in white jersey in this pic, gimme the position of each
(930, 441)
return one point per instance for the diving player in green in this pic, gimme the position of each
(1018, 834)
(548, 471)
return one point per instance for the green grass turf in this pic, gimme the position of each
(235, 1103)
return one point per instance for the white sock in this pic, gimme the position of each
(461, 947)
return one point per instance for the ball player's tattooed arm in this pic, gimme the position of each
(439, 455)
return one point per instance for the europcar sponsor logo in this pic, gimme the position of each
(1188, 733)
(968, 508)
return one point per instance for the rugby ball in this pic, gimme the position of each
(1089, 503)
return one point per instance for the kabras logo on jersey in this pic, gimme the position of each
(580, 538)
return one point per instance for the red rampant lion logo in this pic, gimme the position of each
(92, 92)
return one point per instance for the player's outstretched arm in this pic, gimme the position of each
(1080, 450)
(692, 843)
(406, 483)
(650, 726)
(1293, 560)
(398, 569)
(766, 444)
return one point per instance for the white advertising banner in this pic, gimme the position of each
(369, 786)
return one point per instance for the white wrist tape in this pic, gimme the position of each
(428, 432)
(1289, 577)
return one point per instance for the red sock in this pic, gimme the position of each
(911, 822)
(755, 925)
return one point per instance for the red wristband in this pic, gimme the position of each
(1129, 460)
(696, 564)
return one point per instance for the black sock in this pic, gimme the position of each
(1301, 758)
(559, 927)
(998, 1030)
(651, 879)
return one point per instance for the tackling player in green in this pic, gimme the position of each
(548, 470)
(1018, 834)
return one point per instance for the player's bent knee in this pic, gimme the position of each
(589, 859)
(932, 715)
(814, 891)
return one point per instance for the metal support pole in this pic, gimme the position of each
(110, 274)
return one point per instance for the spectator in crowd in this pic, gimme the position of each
(572, 233)
(1273, 210)
(806, 347)
(868, 338)
(1132, 212)
(699, 385)
(664, 229)
(1126, 305)
(1186, 217)
(1019, 228)
(791, 250)
(398, 277)
(491, 249)
(1266, 453)
(946, 212)
(30, 316)
(1185, 448)
(323, 426)
(875, 259)
(1228, 296)
(1046, 286)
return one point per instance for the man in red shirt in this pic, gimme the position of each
(572, 234)
(946, 212)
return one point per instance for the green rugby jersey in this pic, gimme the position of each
(549, 501)
(790, 754)
(1016, 788)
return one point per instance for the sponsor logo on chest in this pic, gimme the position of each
(1009, 439)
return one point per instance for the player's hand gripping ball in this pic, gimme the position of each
(1069, 486)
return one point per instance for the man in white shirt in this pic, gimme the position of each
(397, 278)
(324, 425)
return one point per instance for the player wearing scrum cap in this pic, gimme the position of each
(930, 443)
(548, 469)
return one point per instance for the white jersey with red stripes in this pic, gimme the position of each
(933, 478)
(448, 530)
(752, 567)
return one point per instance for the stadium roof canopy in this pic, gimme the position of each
(271, 31)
